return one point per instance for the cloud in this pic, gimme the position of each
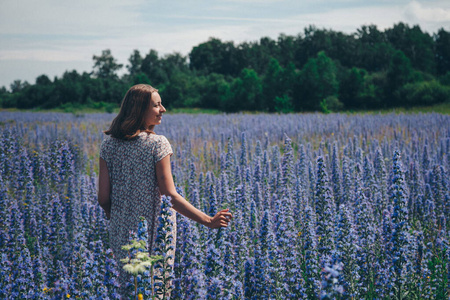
(344, 19)
(418, 13)
(255, 1)
(68, 17)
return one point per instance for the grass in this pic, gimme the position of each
(442, 108)
(193, 111)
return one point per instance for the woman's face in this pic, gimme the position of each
(155, 111)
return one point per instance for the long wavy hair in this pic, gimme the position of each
(130, 121)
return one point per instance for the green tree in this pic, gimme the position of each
(140, 78)
(273, 85)
(277, 87)
(43, 80)
(445, 79)
(351, 87)
(400, 72)
(174, 63)
(69, 89)
(337, 45)
(18, 85)
(442, 55)
(357, 90)
(415, 44)
(287, 47)
(373, 51)
(42, 92)
(5, 98)
(179, 89)
(246, 92)
(105, 65)
(257, 55)
(317, 81)
(214, 91)
(423, 93)
(314, 41)
(174, 93)
(214, 56)
(152, 67)
(135, 61)
(343, 48)
(33, 95)
(283, 104)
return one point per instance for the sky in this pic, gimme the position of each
(53, 36)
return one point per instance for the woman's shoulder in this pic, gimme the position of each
(107, 140)
(153, 137)
(107, 147)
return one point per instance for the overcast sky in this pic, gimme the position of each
(51, 36)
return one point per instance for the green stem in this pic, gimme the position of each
(151, 280)
(135, 287)
(217, 237)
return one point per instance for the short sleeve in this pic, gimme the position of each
(104, 150)
(162, 148)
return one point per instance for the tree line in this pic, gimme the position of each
(318, 69)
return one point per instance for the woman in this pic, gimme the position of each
(135, 171)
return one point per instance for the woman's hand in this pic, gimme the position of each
(167, 187)
(221, 219)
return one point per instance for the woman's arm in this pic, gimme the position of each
(104, 188)
(167, 187)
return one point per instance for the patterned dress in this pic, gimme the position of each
(134, 190)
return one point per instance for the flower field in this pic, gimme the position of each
(325, 207)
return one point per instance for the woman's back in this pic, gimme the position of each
(131, 165)
(134, 188)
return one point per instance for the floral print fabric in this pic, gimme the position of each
(134, 188)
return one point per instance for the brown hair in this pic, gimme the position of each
(130, 121)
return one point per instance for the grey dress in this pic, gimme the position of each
(134, 189)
